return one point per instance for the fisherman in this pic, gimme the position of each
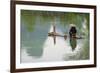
(72, 34)
(72, 31)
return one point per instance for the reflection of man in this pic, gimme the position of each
(72, 31)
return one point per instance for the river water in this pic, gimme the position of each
(37, 46)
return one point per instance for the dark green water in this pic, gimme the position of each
(37, 46)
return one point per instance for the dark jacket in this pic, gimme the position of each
(72, 31)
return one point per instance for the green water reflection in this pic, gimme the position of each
(35, 26)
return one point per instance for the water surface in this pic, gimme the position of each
(37, 46)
